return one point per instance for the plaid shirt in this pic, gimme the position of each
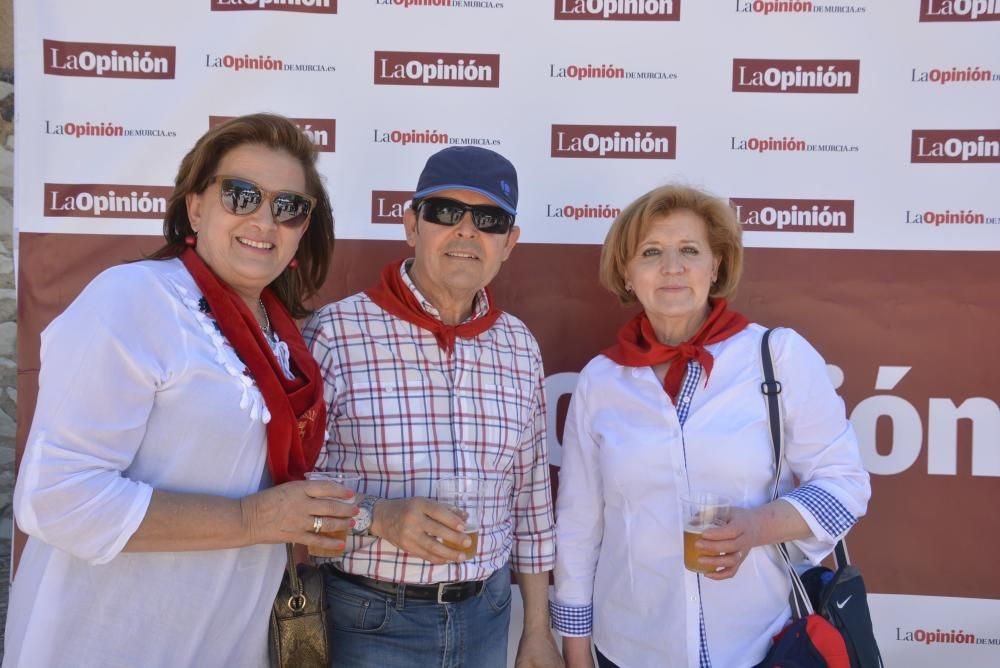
(403, 413)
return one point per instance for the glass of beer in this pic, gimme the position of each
(463, 495)
(700, 511)
(348, 480)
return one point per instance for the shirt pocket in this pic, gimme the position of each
(490, 421)
(394, 427)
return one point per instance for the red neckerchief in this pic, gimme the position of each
(638, 346)
(298, 412)
(395, 298)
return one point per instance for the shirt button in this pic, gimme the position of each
(686, 400)
(694, 599)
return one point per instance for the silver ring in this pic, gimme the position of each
(317, 523)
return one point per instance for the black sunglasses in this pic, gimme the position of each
(241, 197)
(444, 211)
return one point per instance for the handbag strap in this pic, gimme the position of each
(771, 388)
(799, 599)
(297, 601)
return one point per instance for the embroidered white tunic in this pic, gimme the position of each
(137, 391)
(628, 454)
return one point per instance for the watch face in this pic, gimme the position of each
(363, 520)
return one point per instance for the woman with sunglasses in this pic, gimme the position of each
(178, 412)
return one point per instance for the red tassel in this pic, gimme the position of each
(191, 240)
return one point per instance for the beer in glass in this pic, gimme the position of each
(700, 511)
(349, 481)
(463, 494)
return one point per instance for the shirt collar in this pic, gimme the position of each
(480, 305)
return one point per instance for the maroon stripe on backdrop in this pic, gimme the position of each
(861, 309)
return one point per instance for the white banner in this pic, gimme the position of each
(848, 125)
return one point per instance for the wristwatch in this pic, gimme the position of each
(366, 513)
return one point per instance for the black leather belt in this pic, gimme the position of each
(444, 592)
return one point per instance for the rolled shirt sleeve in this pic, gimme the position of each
(97, 383)
(534, 526)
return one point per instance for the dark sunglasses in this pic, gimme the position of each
(444, 211)
(241, 197)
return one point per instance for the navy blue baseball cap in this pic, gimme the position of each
(470, 168)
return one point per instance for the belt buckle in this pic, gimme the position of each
(443, 590)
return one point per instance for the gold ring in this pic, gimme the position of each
(317, 523)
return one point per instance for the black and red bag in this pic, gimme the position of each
(840, 597)
(809, 640)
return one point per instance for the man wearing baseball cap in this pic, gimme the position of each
(426, 379)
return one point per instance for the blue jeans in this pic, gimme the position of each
(370, 629)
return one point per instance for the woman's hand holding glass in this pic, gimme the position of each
(732, 543)
(303, 512)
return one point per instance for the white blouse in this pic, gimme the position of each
(627, 456)
(137, 391)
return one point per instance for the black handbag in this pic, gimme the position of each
(837, 596)
(298, 635)
(841, 598)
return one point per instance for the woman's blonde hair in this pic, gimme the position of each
(631, 225)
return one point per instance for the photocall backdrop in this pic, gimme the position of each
(859, 141)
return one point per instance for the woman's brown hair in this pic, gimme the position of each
(198, 167)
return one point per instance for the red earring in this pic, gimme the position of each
(294, 264)
(191, 240)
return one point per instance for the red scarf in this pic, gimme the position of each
(395, 298)
(638, 346)
(298, 412)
